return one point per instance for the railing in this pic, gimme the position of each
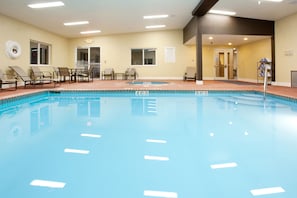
(265, 81)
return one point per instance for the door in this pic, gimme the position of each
(86, 57)
(223, 64)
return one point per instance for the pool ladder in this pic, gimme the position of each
(265, 81)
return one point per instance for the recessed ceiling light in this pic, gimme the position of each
(91, 32)
(46, 5)
(222, 12)
(230, 44)
(245, 38)
(156, 16)
(76, 23)
(155, 26)
(210, 38)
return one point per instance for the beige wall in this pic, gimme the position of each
(116, 52)
(286, 49)
(248, 57)
(22, 33)
(208, 58)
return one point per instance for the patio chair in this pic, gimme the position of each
(21, 74)
(84, 75)
(38, 74)
(65, 72)
(190, 73)
(109, 72)
(130, 73)
(7, 81)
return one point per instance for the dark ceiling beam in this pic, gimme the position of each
(203, 7)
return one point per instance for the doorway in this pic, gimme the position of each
(223, 69)
(86, 57)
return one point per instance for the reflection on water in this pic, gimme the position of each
(88, 108)
(39, 119)
(144, 106)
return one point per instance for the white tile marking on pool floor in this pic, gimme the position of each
(156, 141)
(48, 184)
(90, 135)
(151, 193)
(77, 151)
(226, 165)
(267, 191)
(156, 158)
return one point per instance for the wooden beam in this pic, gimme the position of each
(203, 7)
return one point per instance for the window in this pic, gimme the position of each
(143, 56)
(39, 53)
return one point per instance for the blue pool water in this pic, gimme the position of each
(148, 144)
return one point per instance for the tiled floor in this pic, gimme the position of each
(172, 85)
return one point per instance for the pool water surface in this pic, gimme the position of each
(148, 144)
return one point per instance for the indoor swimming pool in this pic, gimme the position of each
(133, 144)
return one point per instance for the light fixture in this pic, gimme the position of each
(245, 38)
(90, 32)
(210, 38)
(46, 5)
(230, 44)
(275, 1)
(155, 26)
(156, 16)
(76, 23)
(222, 12)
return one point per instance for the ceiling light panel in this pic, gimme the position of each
(222, 12)
(154, 26)
(76, 23)
(156, 16)
(90, 32)
(46, 5)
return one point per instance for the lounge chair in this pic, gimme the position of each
(85, 75)
(109, 72)
(7, 81)
(38, 74)
(21, 74)
(130, 73)
(190, 73)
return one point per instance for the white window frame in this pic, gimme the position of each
(143, 57)
(38, 53)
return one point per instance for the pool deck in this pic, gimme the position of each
(172, 85)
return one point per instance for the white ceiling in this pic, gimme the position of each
(126, 16)
(109, 16)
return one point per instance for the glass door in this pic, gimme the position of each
(87, 57)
